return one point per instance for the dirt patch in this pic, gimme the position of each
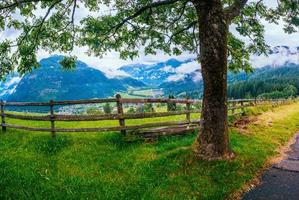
(283, 150)
(242, 124)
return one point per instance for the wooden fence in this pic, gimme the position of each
(235, 107)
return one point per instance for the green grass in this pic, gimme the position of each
(138, 93)
(146, 92)
(104, 166)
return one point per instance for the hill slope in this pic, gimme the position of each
(50, 81)
(272, 73)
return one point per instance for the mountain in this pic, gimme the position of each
(50, 81)
(281, 66)
(265, 80)
(178, 77)
(190, 83)
(9, 85)
(154, 74)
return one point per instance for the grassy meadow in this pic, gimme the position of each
(106, 166)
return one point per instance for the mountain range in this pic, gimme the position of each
(50, 81)
(179, 77)
(154, 74)
(184, 77)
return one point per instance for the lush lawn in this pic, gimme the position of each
(103, 166)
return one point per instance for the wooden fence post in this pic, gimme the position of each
(52, 119)
(120, 111)
(188, 108)
(242, 107)
(233, 107)
(3, 117)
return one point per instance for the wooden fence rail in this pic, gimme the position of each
(233, 106)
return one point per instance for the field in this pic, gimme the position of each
(105, 166)
(141, 93)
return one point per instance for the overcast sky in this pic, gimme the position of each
(274, 35)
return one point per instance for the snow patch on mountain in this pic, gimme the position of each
(168, 69)
(183, 70)
(114, 73)
(9, 86)
(197, 76)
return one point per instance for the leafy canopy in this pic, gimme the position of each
(126, 26)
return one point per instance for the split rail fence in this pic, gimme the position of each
(236, 107)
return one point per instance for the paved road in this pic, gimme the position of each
(281, 182)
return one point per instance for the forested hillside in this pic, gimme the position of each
(264, 81)
(50, 81)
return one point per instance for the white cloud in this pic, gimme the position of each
(279, 58)
(188, 68)
(197, 77)
(112, 73)
(176, 77)
(184, 70)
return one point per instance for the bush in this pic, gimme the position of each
(131, 110)
(171, 106)
(289, 91)
(107, 108)
(148, 107)
(93, 111)
(140, 109)
(179, 108)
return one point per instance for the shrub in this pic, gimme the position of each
(93, 111)
(107, 108)
(171, 106)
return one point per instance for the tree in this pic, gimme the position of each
(171, 106)
(107, 108)
(93, 111)
(171, 26)
(131, 110)
(148, 107)
(290, 91)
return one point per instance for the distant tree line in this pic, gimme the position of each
(274, 88)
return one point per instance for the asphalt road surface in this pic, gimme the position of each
(280, 182)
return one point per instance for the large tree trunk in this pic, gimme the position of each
(212, 141)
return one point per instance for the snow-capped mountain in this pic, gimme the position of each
(281, 62)
(9, 85)
(172, 76)
(155, 74)
(50, 81)
(175, 71)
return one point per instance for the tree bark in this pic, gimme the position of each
(212, 141)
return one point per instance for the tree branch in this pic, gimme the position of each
(181, 31)
(139, 12)
(235, 9)
(73, 23)
(17, 3)
(38, 26)
(180, 16)
(142, 10)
